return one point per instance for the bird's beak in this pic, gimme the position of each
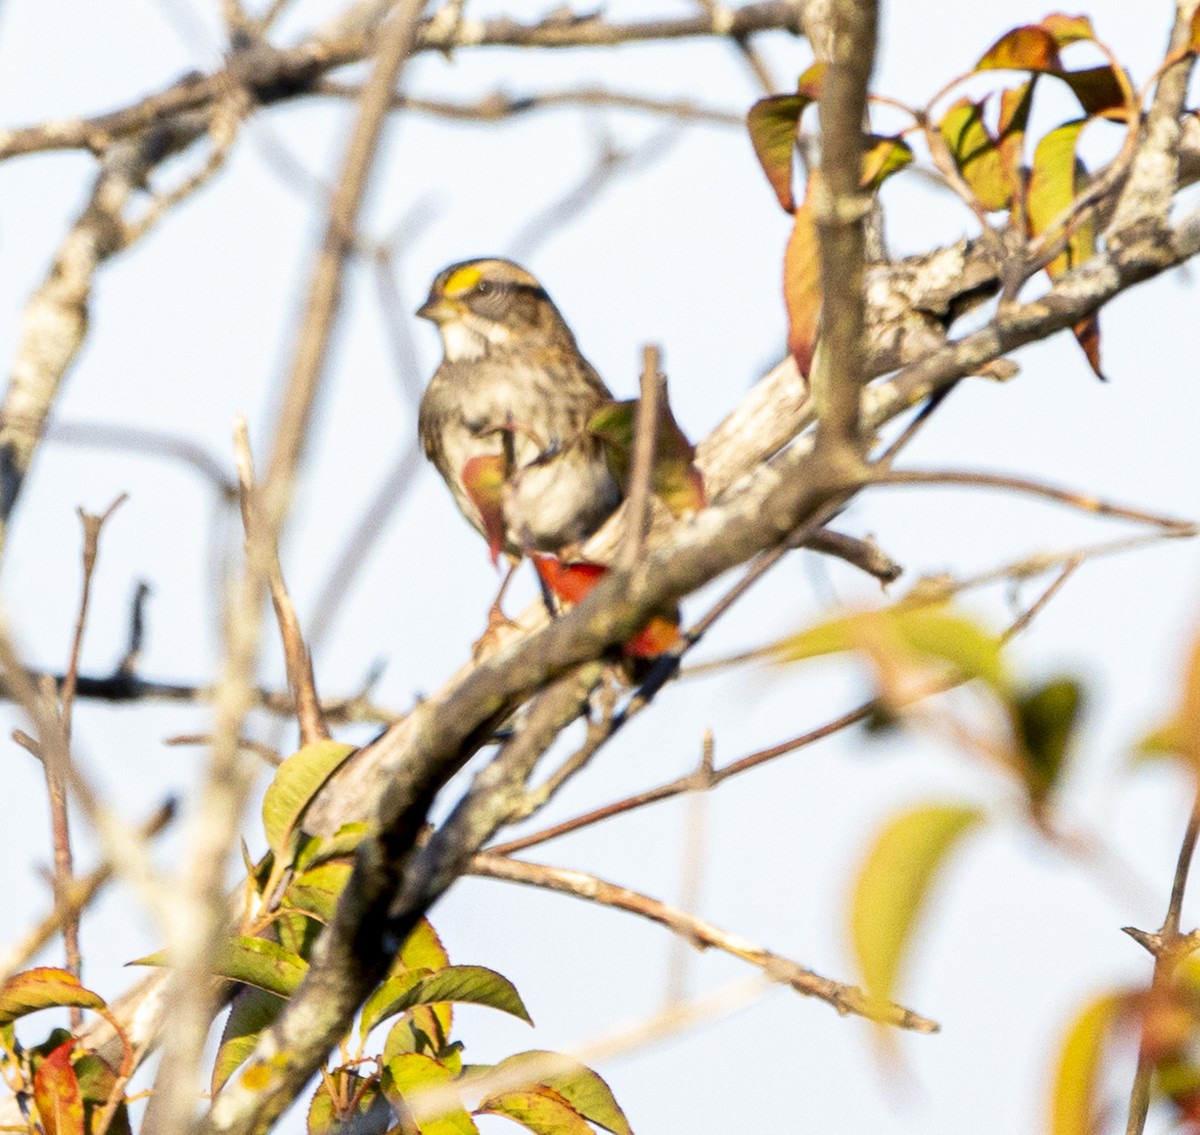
(437, 309)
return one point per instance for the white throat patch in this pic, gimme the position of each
(462, 341)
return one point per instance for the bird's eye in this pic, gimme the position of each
(483, 287)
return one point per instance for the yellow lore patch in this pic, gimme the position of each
(462, 281)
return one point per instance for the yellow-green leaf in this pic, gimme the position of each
(676, 480)
(802, 283)
(1074, 1106)
(906, 631)
(540, 1110)
(883, 156)
(1054, 182)
(45, 987)
(291, 790)
(253, 1010)
(252, 961)
(314, 850)
(772, 124)
(423, 948)
(975, 154)
(316, 891)
(576, 1083)
(895, 881)
(405, 1075)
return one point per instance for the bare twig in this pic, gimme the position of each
(702, 934)
(641, 476)
(298, 660)
(1081, 501)
(56, 787)
(1169, 948)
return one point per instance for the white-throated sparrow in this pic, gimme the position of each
(504, 418)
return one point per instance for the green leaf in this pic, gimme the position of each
(293, 787)
(1045, 721)
(56, 1093)
(406, 1075)
(253, 1011)
(316, 891)
(1076, 1107)
(976, 155)
(474, 985)
(386, 999)
(252, 961)
(44, 987)
(802, 284)
(541, 1110)
(583, 1089)
(315, 850)
(894, 882)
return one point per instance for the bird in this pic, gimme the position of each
(505, 416)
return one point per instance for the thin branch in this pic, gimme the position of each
(397, 42)
(1081, 501)
(499, 105)
(704, 779)
(702, 934)
(1169, 948)
(298, 660)
(56, 788)
(641, 476)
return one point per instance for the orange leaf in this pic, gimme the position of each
(483, 478)
(657, 637)
(1068, 29)
(56, 1093)
(802, 284)
(1028, 48)
(1087, 335)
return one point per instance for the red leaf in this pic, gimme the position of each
(483, 478)
(802, 284)
(574, 581)
(56, 1093)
